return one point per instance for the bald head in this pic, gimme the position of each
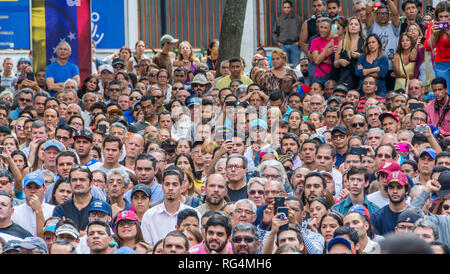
(134, 145)
(215, 177)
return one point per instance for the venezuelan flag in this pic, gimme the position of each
(54, 21)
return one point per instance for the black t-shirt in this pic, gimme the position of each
(70, 211)
(236, 195)
(16, 231)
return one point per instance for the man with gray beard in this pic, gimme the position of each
(298, 181)
(216, 190)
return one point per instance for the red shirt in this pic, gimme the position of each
(442, 46)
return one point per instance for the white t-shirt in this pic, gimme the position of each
(25, 217)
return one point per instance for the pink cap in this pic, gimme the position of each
(127, 215)
(397, 176)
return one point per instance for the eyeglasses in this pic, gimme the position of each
(340, 136)
(382, 13)
(97, 214)
(25, 100)
(62, 138)
(152, 75)
(445, 207)
(137, 98)
(361, 124)
(19, 127)
(175, 88)
(247, 239)
(158, 96)
(386, 156)
(269, 176)
(127, 222)
(114, 89)
(118, 66)
(4, 182)
(253, 192)
(234, 166)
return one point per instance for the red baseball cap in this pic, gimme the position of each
(127, 215)
(389, 114)
(388, 167)
(397, 176)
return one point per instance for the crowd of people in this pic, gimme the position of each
(337, 141)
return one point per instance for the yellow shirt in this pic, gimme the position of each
(225, 82)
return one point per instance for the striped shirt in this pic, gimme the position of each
(362, 102)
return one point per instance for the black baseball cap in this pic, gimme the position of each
(340, 128)
(143, 188)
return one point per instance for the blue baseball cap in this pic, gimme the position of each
(124, 250)
(192, 101)
(259, 123)
(430, 152)
(53, 143)
(429, 96)
(22, 59)
(100, 206)
(34, 177)
(339, 240)
(319, 137)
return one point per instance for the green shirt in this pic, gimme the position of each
(344, 206)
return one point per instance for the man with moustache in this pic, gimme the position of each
(384, 220)
(308, 153)
(315, 185)
(217, 232)
(245, 239)
(216, 190)
(145, 168)
(77, 208)
(298, 181)
(438, 109)
(290, 146)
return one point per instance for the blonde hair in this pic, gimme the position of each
(280, 53)
(208, 146)
(347, 38)
(191, 55)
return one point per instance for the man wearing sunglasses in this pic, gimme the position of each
(359, 126)
(25, 98)
(200, 85)
(245, 239)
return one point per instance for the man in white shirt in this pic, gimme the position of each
(159, 220)
(326, 156)
(32, 214)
